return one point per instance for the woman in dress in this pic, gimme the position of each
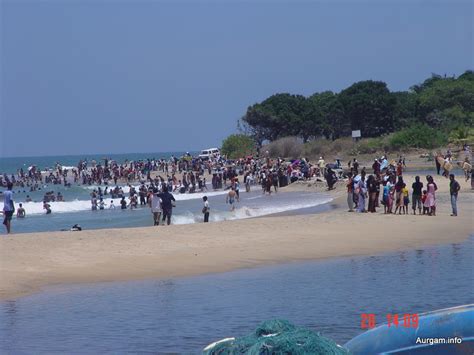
(372, 187)
(362, 195)
(430, 202)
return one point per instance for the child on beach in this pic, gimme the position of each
(391, 194)
(406, 199)
(385, 198)
(423, 200)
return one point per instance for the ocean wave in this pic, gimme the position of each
(245, 212)
(177, 196)
(59, 207)
(85, 205)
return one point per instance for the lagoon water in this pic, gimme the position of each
(182, 315)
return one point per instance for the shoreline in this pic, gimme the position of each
(33, 261)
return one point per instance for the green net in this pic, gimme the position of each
(276, 337)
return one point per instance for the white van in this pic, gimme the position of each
(210, 152)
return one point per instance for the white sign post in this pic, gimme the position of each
(356, 135)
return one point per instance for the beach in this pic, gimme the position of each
(30, 262)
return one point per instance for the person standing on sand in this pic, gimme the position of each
(399, 195)
(438, 165)
(472, 179)
(406, 199)
(322, 167)
(372, 188)
(454, 188)
(205, 209)
(330, 177)
(350, 193)
(417, 187)
(8, 207)
(430, 202)
(362, 195)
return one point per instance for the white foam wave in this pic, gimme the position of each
(198, 195)
(246, 212)
(85, 205)
(57, 207)
(177, 196)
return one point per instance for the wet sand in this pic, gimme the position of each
(29, 262)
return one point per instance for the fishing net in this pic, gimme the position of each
(276, 337)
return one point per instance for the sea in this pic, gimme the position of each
(76, 208)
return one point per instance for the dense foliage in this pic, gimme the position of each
(417, 136)
(237, 145)
(441, 103)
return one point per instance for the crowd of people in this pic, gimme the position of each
(158, 179)
(386, 186)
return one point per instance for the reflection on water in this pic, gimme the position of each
(183, 315)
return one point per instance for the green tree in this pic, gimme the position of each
(278, 116)
(327, 115)
(447, 99)
(238, 146)
(369, 106)
(405, 109)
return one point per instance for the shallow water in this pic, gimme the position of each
(184, 314)
(188, 210)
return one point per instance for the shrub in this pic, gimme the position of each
(238, 146)
(317, 148)
(371, 145)
(417, 136)
(461, 134)
(287, 147)
(344, 144)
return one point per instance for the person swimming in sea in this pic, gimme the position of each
(20, 212)
(123, 203)
(101, 204)
(47, 207)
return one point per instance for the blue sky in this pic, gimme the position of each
(81, 77)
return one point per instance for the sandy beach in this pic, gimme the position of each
(30, 262)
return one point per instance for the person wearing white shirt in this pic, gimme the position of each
(155, 205)
(205, 209)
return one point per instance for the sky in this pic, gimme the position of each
(85, 77)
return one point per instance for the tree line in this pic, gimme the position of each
(439, 102)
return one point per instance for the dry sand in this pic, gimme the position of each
(29, 262)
